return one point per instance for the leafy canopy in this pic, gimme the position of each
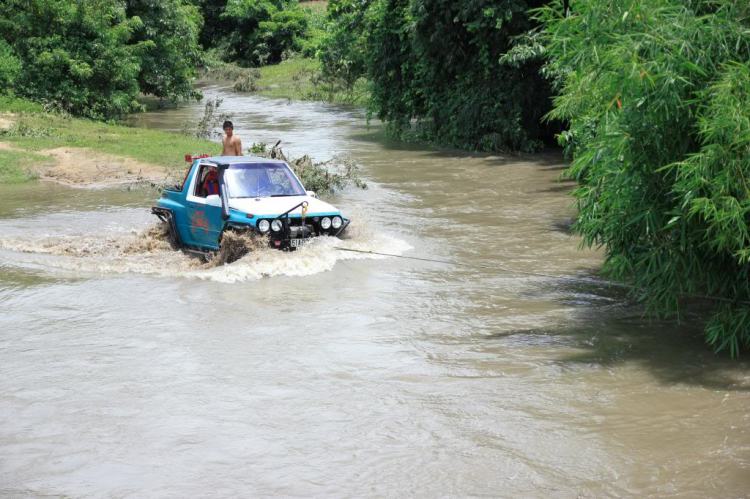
(254, 32)
(170, 60)
(93, 57)
(436, 72)
(657, 93)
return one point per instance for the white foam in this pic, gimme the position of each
(320, 255)
(147, 252)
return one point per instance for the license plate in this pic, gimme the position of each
(298, 243)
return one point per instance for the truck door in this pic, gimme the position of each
(204, 221)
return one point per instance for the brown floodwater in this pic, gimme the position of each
(128, 370)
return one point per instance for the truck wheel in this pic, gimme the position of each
(167, 217)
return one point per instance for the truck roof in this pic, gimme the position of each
(233, 160)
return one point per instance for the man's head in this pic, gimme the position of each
(228, 128)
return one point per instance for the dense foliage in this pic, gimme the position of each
(10, 66)
(92, 57)
(74, 56)
(657, 93)
(173, 54)
(254, 32)
(436, 71)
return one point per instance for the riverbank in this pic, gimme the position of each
(289, 79)
(35, 144)
(297, 79)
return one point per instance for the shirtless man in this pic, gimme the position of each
(232, 145)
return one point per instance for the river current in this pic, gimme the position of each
(128, 370)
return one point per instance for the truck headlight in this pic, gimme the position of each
(325, 223)
(337, 222)
(276, 225)
(263, 226)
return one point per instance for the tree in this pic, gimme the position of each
(214, 28)
(10, 66)
(171, 54)
(93, 57)
(657, 93)
(436, 69)
(260, 31)
(75, 56)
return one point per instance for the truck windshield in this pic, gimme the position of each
(262, 180)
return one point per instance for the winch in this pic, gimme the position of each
(300, 231)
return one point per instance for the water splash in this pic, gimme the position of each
(148, 251)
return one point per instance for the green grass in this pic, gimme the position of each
(11, 104)
(277, 81)
(291, 79)
(149, 146)
(16, 167)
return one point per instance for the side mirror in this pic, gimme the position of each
(312, 194)
(214, 200)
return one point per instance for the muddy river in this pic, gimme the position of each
(129, 371)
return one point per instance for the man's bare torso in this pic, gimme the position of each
(232, 146)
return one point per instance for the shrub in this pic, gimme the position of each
(436, 72)
(247, 83)
(209, 125)
(244, 79)
(169, 53)
(657, 93)
(323, 178)
(260, 31)
(92, 57)
(22, 128)
(10, 66)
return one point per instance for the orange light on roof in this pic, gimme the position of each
(190, 159)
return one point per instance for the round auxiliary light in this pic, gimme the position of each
(263, 226)
(325, 223)
(337, 222)
(276, 225)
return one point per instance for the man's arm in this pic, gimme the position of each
(239, 146)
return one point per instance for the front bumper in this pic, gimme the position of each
(291, 237)
(294, 234)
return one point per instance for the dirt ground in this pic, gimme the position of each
(80, 167)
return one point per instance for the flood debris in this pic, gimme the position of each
(324, 177)
(245, 80)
